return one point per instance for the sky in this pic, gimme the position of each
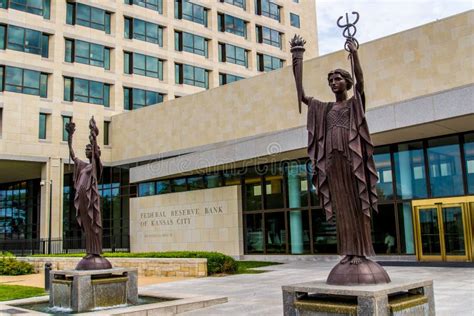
(379, 18)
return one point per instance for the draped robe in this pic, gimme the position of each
(354, 237)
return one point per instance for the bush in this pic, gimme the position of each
(9, 265)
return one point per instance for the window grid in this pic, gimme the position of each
(228, 78)
(191, 43)
(38, 7)
(191, 75)
(106, 133)
(87, 53)
(81, 14)
(237, 3)
(233, 54)
(143, 65)
(268, 36)
(143, 31)
(137, 98)
(42, 126)
(268, 8)
(66, 120)
(156, 5)
(189, 11)
(295, 20)
(87, 91)
(24, 40)
(230, 24)
(25, 81)
(268, 63)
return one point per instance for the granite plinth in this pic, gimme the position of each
(400, 297)
(85, 290)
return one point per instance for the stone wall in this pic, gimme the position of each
(163, 267)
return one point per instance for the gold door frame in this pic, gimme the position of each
(466, 203)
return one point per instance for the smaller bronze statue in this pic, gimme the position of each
(345, 178)
(87, 198)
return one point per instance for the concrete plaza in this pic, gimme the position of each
(260, 294)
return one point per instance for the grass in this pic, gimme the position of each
(248, 266)
(14, 292)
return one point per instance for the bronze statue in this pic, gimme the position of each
(345, 176)
(87, 198)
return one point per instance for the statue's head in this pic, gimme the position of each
(89, 151)
(340, 80)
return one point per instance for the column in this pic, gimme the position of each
(296, 223)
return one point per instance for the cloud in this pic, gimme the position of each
(379, 18)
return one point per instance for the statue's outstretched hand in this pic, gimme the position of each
(351, 45)
(70, 128)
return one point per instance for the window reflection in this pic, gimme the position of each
(324, 233)
(410, 171)
(254, 233)
(469, 163)
(275, 232)
(444, 162)
(299, 237)
(384, 236)
(384, 172)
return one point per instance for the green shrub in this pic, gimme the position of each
(9, 265)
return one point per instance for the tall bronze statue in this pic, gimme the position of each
(345, 177)
(87, 198)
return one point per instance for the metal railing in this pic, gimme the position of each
(26, 247)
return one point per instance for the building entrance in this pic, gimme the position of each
(444, 229)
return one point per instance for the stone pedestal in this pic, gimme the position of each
(400, 297)
(83, 291)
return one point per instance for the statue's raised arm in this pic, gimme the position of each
(297, 51)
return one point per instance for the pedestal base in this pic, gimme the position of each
(400, 297)
(366, 272)
(82, 291)
(94, 263)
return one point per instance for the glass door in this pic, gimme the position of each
(443, 230)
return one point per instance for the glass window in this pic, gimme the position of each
(213, 180)
(268, 8)
(268, 63)
(230, 24)
(384, 172)
(295, 20)
(253, 191)
(184, 9)
(196, 183)
(275, 232)
(138, 98)
(147, 66)
(178, 185)
(163, 187)
(324, 233)
(405, 224)
(3, 36)
(156, 5)
(143, 31)
(469, 161)
(274, 191)
(253, 233)
(191, 43)
(86, 91)
(268, 36)
(299, 237)
(28, 41)
(233, 54)
(92, 17)
(42, 126)
(25, 81)
(66, 120)
(106, 132)
(146, 189)
(384, 235)
(87, 53)
(237, 3)
(38, 7)
(410, 171)
(444, 165)
(228, 78)
(192, 75)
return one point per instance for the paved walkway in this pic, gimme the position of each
(260, 294)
